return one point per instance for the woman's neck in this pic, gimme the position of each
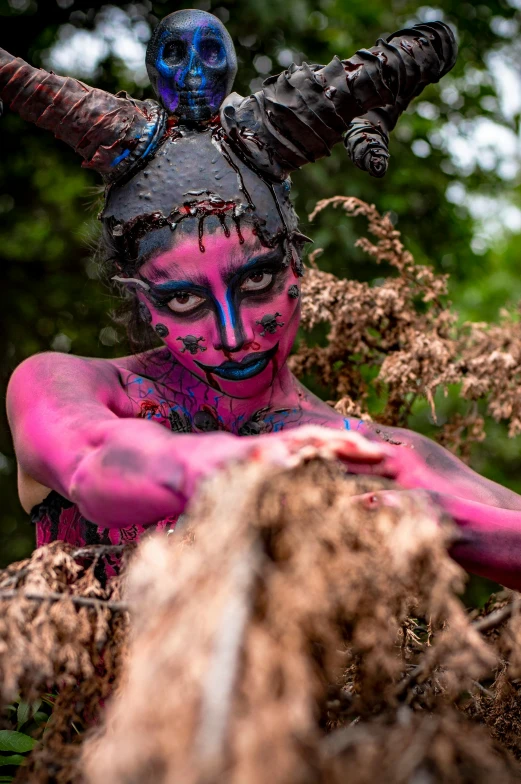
(177, 385)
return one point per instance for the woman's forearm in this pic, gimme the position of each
(490, 539)
(140, 472)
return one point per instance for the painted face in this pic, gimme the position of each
(228, 315)
(191, 64)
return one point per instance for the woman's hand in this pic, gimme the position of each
(289, 447)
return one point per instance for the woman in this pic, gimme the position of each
(199, 232)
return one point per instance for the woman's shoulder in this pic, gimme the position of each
(49, 366)
(152, 364)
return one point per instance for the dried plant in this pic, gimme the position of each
(405, 332)
(313, 609)
(298, 627)
(62, 632)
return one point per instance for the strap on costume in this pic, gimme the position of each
(367, 138)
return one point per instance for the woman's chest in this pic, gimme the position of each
(196, 408)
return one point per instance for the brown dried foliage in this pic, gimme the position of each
(405, 331)
(316, 638)
(293, 630)
(60, 634)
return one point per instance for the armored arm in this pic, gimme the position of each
(300, 114)
(112, 133)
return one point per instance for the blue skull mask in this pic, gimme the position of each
(191, 63)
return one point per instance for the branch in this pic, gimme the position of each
(496, 617)
(81, 601)
(481, 625)
(96, 550)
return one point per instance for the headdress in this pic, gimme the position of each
(203, 150)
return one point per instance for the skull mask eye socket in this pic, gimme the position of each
(212, 52)
(175, 52)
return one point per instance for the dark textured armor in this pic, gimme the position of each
(111, 132)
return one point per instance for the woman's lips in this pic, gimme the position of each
(249, 366)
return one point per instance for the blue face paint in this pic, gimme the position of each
(191, 63)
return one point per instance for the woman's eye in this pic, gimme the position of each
(184, 302)
(257, 281)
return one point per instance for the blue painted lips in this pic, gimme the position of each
(249, 366)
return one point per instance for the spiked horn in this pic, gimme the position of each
(113, 133)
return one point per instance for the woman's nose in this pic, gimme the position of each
(232, 334)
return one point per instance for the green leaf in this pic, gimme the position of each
(15, 741)
(12, 759)
(6, 779)
(22, 714)
(40, 717)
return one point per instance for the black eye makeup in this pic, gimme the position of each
(260, 276)
(184, 302)
(257, 281)
(187, 299)
(182, 298)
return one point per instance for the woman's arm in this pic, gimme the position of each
(488, 515)
(75, 433)
(66, 415)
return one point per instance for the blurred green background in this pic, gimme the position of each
(453, 187)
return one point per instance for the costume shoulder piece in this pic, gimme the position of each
(200, 149)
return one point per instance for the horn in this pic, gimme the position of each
(113, 133)
(428, 52)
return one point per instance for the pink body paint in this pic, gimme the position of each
(89, 429)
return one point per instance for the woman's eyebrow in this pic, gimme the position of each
(161, 273)
(276, 255)
(201, 283)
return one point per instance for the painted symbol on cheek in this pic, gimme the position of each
(191, 344)
(144, 313)
(161, 330)
(269, 323)
(205, 422)
(293, 292)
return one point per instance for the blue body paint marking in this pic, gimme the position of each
(347, 425)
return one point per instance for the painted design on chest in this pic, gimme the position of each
(195, 408)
